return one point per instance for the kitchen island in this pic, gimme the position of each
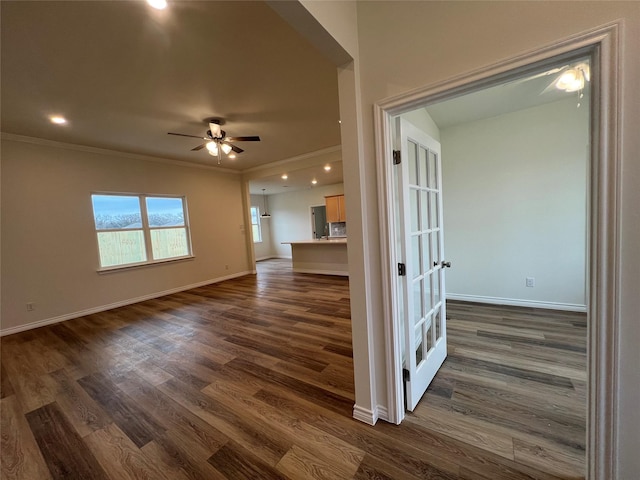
(322, 256)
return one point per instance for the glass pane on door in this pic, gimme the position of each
(436, 286)
(413, 163)
(428, 340)
(433, 173)
(420, 344)
(418, 295)
(428, 304)
(422, 162)
(437, 321)
(424, 210)
(435, 244)
(433, 211)
(416, 250)
(414, 199)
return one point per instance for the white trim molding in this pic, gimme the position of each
(370, 417)
(102, 308)
(514, 302)
(103, 151)
(337, 273)
(602, 45)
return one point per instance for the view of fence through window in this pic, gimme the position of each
(130, 226)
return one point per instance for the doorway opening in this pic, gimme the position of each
(319, 225)
(603, 184)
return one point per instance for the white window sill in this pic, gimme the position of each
(133, 266)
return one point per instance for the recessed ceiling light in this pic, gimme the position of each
(327, 168)
(158, 4)
(231, 155)
(314, 181)
(58, 119)
(284, 176)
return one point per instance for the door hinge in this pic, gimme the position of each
(402, 269)
(396, 157)
(405, 375)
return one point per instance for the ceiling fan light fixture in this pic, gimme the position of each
(58, 119)
(571, 80)
(157, 4)
(216, 131)
(226, 148)
(264, 199)
(213, 148)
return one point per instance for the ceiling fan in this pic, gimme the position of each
(217, 141)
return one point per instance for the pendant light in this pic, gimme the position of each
(264, 202)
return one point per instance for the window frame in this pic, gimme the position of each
(258, 224)
(145, 228)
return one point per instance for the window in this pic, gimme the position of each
(255, 225)
(140, 229)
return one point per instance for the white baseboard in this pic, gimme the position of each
(567, 307)
(321, 272)
(365, 415)
(370, 417)
(383, 413)
(102, 308)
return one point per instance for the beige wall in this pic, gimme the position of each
(515, 206)
(407, 45)
(291, 215)
(49, 247)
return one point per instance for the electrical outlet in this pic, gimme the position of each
(31, 307)
(530, 281)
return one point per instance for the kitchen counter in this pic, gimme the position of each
(320, 256)
(339, 240)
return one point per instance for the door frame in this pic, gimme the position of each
(603, 244)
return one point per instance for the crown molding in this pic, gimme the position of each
(104, 151)
(298, 158)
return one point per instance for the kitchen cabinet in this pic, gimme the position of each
(336, 211)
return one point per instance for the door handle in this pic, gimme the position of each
(443, 264)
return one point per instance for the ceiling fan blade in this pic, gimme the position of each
(185, 135)
(199, 147)
(234, 148)
(254, 138)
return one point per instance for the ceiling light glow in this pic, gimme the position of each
(58, 119)
(212, 147)
(574, 79)
(158, 4)
(314, 181)
(327, 168)
(285, 176)
(232, 155)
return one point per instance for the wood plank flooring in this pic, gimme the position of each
(252, 378)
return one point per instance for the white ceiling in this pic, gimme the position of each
(536, 88)
(125, 74)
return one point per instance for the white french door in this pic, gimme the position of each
(420, 281)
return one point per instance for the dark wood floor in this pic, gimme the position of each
(253, 378)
